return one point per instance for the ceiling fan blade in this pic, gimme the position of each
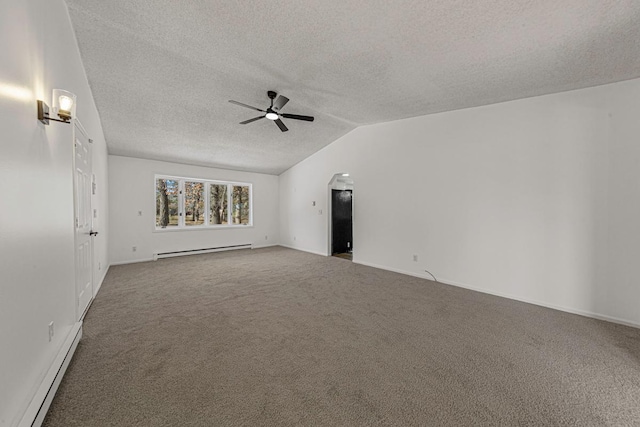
(281, 125)
(251, 120)
(280, 102)
(245, 105)
(297, 117)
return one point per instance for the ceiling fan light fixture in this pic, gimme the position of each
(273, 112)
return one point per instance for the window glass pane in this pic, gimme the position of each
(166, 203)
(218, 202)
(193, 203)
(241, 206)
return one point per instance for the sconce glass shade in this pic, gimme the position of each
(64, 104)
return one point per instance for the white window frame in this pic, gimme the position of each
(207, 203)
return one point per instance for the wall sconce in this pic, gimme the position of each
(64, 103)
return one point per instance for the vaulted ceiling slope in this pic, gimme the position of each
(162, 71)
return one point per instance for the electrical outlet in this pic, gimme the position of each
(51, 331)
(415, 258)
(134, 248)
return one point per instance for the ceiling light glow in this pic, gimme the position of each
(272, 116)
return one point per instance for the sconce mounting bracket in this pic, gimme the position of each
(43, 114)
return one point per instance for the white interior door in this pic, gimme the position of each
(83, 220)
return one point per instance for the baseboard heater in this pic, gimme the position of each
(39, 405)
(161, 255)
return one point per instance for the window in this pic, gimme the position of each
(218, 204)
(167, 203)
(240, 204)
(183, 203)
(193, 203)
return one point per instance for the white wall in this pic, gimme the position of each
(39, 53)
(619, 291)
(535, 199)
(132, 189)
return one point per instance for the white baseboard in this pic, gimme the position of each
(579, 312)
(205, 251)
(200, 252)
(163, 255)
(39, 405)
(106, 270)
(395, 270)
(135, 261)
(303, 250)
(264, 246)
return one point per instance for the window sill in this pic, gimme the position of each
(201, 228)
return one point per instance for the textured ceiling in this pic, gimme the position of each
(162, 71)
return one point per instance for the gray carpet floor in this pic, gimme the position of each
(277, 337)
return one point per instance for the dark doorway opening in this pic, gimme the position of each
(342, 223)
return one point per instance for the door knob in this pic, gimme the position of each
(93, 233)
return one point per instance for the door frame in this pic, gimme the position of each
(331, 186)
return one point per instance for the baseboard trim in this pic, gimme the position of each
(303, 250)
(263, 246)
(395, 270)
(579, 312)
(131, 261)
(106, 270)
(39, 405)
(202, 252)
(187, 252)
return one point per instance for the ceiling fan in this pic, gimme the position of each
(273, 112)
